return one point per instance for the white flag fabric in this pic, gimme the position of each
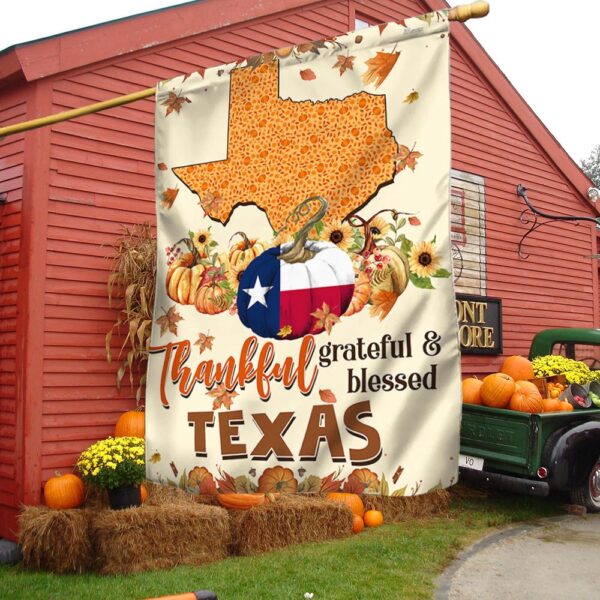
(305, 332)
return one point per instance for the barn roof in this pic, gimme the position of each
(75, 49)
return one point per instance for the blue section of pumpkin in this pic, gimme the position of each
(262, 321)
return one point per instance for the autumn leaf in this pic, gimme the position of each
(406, 157)
(397, 473)
(285, 331)
(162, 166)
(227, 484)
(354, 485)
(330, 483)
(358, 39)
(174, 468)
(174, 103)
(414, 221)
(379, 67)
(155, 458)
(222, 397)
(168, 197)
(344, 63)
(204, 342)
(307, 74)
(210, 202)
(412, 97)
(327, 396)
(168, 322)
(382, 27)
(325, 318)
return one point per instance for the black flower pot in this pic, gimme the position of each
(124, 496)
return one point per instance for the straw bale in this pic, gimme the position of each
(292, 519)
(159, 494)
(95, 498)
(396, 509)
(56, 540)
(159, 537)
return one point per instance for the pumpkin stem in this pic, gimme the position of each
(298, 252)
(247, 243)
(369, 244)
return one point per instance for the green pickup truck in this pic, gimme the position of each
(535, 453)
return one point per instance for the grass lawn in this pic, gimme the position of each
(395, 562)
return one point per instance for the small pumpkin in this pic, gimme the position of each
(518, 367)
(235, 501)
(353, 501)
(551, 404)
(526, 398)
(471, 390)
(243, 252)
(497, 390)
(389, 283)
(63, 491)
(565, 406)
(213, 296)
(183, 279)
(143, 493)
(373, 518)
(130, 424)
(277, 479)
(357, 524)
(360, 296)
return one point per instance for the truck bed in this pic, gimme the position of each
(512, 442)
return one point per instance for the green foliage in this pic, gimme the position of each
(591, 166)
(113, 462)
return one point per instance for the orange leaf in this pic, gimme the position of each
(307, 74)
(414, 221)
(383, 301)
(406, 158)
(168, 197)
(162, 167)
(343, 63)
(327, 396)
(210, 202)
(168, 322)
(174, 103)
(325, 318)
(222, 397)
(382, 27)
(379, 67)
(412, 97)
(204, 342)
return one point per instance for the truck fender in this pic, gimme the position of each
(569, 454)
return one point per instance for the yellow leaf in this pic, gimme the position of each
(412, 97)
(285, 331)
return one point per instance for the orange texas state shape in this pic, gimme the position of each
(281, 152)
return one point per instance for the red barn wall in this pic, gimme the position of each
(101, 177)
(13, 108)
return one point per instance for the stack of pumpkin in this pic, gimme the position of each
(511, 389)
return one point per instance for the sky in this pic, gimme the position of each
(549, 55)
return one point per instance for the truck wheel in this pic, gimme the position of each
(588, 494)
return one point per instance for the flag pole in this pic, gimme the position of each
(461, 13)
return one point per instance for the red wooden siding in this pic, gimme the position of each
(13, 108)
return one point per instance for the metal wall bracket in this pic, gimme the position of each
(530, 215)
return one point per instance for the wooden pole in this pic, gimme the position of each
(461, 13)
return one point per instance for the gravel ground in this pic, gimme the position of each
(552, 559)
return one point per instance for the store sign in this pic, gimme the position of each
(479, 324)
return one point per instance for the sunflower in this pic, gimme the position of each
(424, 260)
(338, 233)
(379, 228)
(201, 239)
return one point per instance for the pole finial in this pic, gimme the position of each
(464, 12)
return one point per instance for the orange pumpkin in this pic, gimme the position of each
(277, 479)
(526, 398)
(551, 404)
(566, 406)
(240, 501)
(143, 492)
(243, 252)
(183, 279)
(357, 524)
(353, 501)
(471, 390)
(360, 296)
(518, 367)
(130, 424)
(63, 491)
(497, 390)
(213, 297)
(373, 518)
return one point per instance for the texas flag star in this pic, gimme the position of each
(258, 293)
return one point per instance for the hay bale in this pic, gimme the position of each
(159, 494)
(95, 498)
(159, 537)
(291, 520)
(56, 540)
(396, 509)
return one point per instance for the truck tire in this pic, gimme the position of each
(588, 494)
